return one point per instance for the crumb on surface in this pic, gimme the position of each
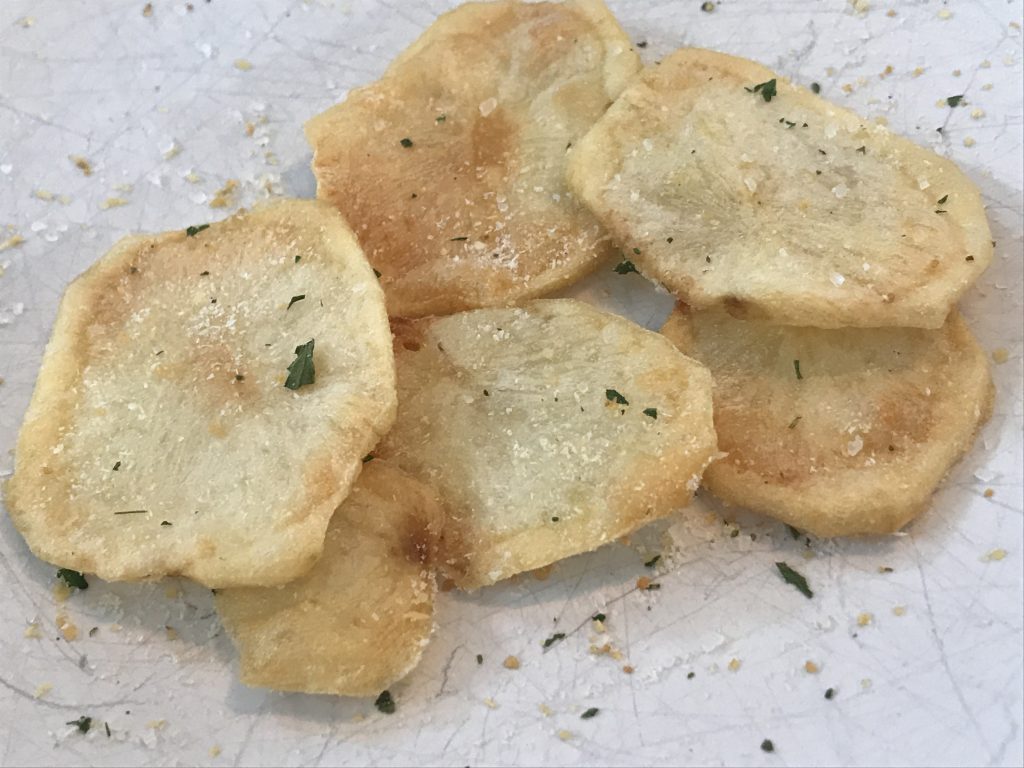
(510, 662)
(1000, 355)
(42, 689)
(565, 735)
(996, 555)
(734, 665)
(11, 242)
(899, 610)
(811, 668)
(989, 493)
(969, 141)
(113, 202)
(224, 196)
(82, 164)
(864, 619)
(243, 64)
(33, 631)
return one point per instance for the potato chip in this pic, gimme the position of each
(205, 401)
(547, 430)
(451, 168)
(736, 189)
(837, 432)
(360, 619)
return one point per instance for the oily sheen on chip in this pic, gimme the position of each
(547, 430)
(837, 432)
(360, 619)
(736, 189)
(451, 168)
(205, 402)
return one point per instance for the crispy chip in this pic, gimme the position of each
(837, 432)
(161, 438)
(451, 168)
(792, 210)
(548, 431)
(360, 619)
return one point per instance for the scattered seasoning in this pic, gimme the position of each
(82, 164)
(642, 44)
(106, 727)
(615, 397)
(796, 367)
(734, 665)
(636, 251)
(955, 101)
(625, 267)
(376, 273)
(598, 617)
(555, 519)
(83, 724)
(942, 200)
(815, 88)
(690, 675)
(652, 412)
(294, 299)
(479, 658)
(589, 713)
(811, 668)
(862, 149)
(767, 746)
(73, 579)
(884, 569)
(193, 231)
(385, 703)
(647, 585)
(117, 466)
(133, 512)
(794, 532)
(628, 669)
(368, 457)
(406, 142)
(165, 523)
(707, 7)
(795, 579)
(652, 562)
(458, 239)
(766, 89)
(301, 370)
(830, 693)
(440, 118)
(510, 662)
(205, 273)
(555, 638)
(864, 619)
(794, 422)
(298, 259)
(239, 377)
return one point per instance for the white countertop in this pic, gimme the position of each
(160, 105)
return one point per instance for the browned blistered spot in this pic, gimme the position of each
(737, 307)
(409, 334)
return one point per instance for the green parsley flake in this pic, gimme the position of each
(625, 267)
(406, 142)
(301, 372)
(615, 397)
(589, 713)
(598, 617)
(767, 746)
(652, 562)
(440, 118)
(555, 638)
(766, 89)
(955, 101)
(73, 579)
(796, 367)
(830, 693)
(83, 724)
(652, 412)
(707, 6)
(794, 422)
(368, 457)
(385, 703)
(942, 200)
(815, 88)
(193, 231)
(294, 299)
(479, 658)
(795, 579)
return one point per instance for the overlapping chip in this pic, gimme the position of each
(736, 189)
(547, 430)
(205, 402)
(451, 168)
(837, 432)
(360, 619)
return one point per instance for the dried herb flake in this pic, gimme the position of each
(385, 703)
(294, 299)
(795, 579)
(73, 579)
(625, 267)
(301, 371)
(193, 231)
(652, 412)
(766, 89)
(614, 397)
(589, 713)
(555, 638)
(83, 724)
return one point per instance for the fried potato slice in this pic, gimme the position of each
(792, 209)
(162, 439)
(548, 431)
(360, 619)
(451, 168)
(837, 432)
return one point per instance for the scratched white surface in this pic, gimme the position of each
(150, 100)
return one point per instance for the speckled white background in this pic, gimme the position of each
(151, 100)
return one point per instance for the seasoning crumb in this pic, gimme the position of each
(707, 7)
(545, 710)
(224, 196)
(479, 658)
(830, 693)
(866, 683)
(989, 493)
(628, 669)
(589, 713)
(490, 703)
(565, 735)
(215, 751)
(899, 610)
(969, 142)
(734, 665)
(32, 631)
(811, 668)
(510, 662)
(643, 583)
(864, 619)
(42, 690)
(81, 164)
(113, 202)
(996, 555)
(11, 242)
(945, 14)
(243, 64)
(147, 10)
(1000, 355)
(767, 746)
(384, 703)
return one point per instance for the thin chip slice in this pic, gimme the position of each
(451, 168)
(736, 189)
(205, 402)
(360, 619)
(548, 431)
(837, 432)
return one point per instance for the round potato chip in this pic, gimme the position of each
(548, 431)
(837, 432)
(205, 401)
(451, 168)
(736, 189)
(360, 619)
